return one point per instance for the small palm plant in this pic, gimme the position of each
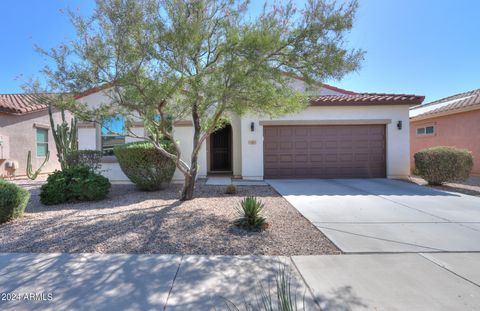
(250, 214)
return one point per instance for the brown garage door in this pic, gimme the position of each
(324, 151)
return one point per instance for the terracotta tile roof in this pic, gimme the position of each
(451, 104)
(22, 103)
(347, 98)
(366, 99)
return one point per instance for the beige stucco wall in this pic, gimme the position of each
(184, 136)
(21, 133)
(248, 146)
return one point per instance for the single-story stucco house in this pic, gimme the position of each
(452, 121)
(25, 126)
(342, 134)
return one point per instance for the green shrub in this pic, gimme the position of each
(250, 214)
(88, 158)
(13, 200)
(74, 184)
(144, 165)
(231, 189)
(443, 164)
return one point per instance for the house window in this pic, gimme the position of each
(42, 142)
(113, 134)
(427, 130)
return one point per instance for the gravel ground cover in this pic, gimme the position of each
(470, 186)
(130, 221)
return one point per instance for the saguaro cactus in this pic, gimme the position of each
(30, 173)
(65, 137)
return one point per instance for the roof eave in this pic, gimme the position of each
(444, 113)
(21, 112)
(409, 102)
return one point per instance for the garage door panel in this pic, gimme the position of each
(271, 145)
(301, 145)
(360, 144)
(345, 157)
(286, 131)
(316, 131)
(327, 151)
(271, 158)
(286, 145)
(331, 145)
(316, 157)
(270, 132)
(285, 158)
(331, 158)
(302, 158)
(301, 131)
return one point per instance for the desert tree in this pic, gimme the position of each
(199, 60)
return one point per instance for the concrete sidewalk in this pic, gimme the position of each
(390, 282)
(170, 282)
(138, 282)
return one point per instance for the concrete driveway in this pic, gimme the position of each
(382, 215)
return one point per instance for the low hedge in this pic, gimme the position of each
(443, 164)
(88, 158)
(145, 165)
(74, 184)
(13, 200)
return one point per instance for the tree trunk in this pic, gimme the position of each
(189, 183)
(188, 186)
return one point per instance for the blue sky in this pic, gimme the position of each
(426, 47)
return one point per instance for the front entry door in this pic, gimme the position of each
(220, 147)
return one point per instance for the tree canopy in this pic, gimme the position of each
(200, 60)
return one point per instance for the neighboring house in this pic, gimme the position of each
(342, 134)
(451, 121)
(25, 126)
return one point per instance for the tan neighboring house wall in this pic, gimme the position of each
(19, 132)
(455, 121)
(461, 130)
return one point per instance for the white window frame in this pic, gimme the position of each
(113, 135)
(424, 128)
(41, 142)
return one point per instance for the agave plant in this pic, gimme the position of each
(250, 214)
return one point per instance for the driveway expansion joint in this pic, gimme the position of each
(173, 283)
(307, 286)
(437, 263)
